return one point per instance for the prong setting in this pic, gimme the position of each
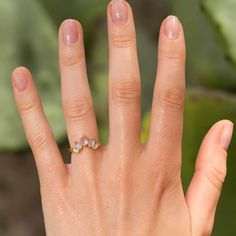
(84, 142)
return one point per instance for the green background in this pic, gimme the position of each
(29, 37)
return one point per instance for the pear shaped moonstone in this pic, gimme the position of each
(95, 146)
(79, 146)
(92, 143)
(84, 141)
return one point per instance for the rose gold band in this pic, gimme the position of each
(84, 142)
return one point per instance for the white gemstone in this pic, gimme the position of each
(79, 146)
(92, 143)
(95, 146)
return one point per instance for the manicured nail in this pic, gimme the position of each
(172, 27)
(70, 32)
(119, 11)
(226, 135)
(20, 81)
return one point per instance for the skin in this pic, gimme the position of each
(125, 187)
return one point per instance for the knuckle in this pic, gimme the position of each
(126, 91)
(176, 57)
(29, 106)
(172, 100)
(78, 108)
(123, 41)
(38, 140)
(216, 175)
(71, 58)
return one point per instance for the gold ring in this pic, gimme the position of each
(83, 143)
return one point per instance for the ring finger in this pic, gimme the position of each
(76, 97)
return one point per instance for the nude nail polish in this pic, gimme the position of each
(19, 81)
(70, 32)
(226, 135)
(172, 27)
(119, 11)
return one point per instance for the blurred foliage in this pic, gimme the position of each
(222, 13)
(86, 11)
(31, 43)
(30, 38)
(207, 63)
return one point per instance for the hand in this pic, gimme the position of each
(124, 188)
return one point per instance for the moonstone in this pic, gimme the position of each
(79, 146)
(95, 146)
(91, 143)
(84, 141)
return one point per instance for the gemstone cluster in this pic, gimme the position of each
(84, 142)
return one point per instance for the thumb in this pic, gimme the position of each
(210, 171)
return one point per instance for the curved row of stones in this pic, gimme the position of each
(85, 142)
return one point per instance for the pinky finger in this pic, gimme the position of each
(205, 188)
(50, 165)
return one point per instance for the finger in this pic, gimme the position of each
(209, 176)
(165, 135)
(50, 165)
(124, 77)
(76, 97)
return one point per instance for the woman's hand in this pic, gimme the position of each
(125, 188)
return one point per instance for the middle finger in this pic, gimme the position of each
(124, 77)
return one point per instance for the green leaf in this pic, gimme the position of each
(207, 64)
(29, 39)
(86, 11)
(222, 14)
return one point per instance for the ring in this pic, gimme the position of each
(84, 142)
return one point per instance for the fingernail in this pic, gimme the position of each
(20, 81)
(172, 27)
(226, 135)
(119, 11)
(70, 32)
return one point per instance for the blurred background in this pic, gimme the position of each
(28, 31)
